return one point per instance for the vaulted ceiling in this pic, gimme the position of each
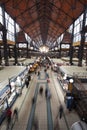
(44, 20)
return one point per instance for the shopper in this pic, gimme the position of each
(35, 124)
(15, 113)
(41, 90)
(8, 116)
(60, 111)
(26, 82)
(48, 94)
(29, 78)
(47, 75)
(33, 100)
(46, 91)
(69, 102)
(38, 73)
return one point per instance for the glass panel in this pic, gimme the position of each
(1, 35)
(85, 37)
(1, 19)
(17, 28)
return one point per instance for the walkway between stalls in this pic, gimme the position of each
(40, 115)
(43, 112)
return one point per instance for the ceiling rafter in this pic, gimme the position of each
(57, 23)
(27, 9)
(72, 4)
(61, 10)
(30, 14)
(30, 32)
(44, 20)
(4, 2)
(83, 3)
(53, 28)
(33, 22)
(35, 35)
(16, 3)
(27, 2)
(44, 34)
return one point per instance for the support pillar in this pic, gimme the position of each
(15, 46)
(5, 38)
(9, 52)
(5, 48)
(0, 56)
(86, 55)
(71, 46)
(81, 47)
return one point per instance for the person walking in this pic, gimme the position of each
(29, 78)
(41, 90)
(46, 92)
(15, 113)
(8, 116)
(60, 111)
(38, 73)
(26, 82)
(35, 124)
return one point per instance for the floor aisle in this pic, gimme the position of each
(41, 116)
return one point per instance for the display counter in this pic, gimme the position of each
(63, 82)
(8, 94)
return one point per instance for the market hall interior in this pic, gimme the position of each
(43, 64)
(36, 110)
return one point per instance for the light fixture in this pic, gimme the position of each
(44, 49)
(71, 80)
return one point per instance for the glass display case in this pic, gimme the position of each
(8, 94)
(63, 81)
